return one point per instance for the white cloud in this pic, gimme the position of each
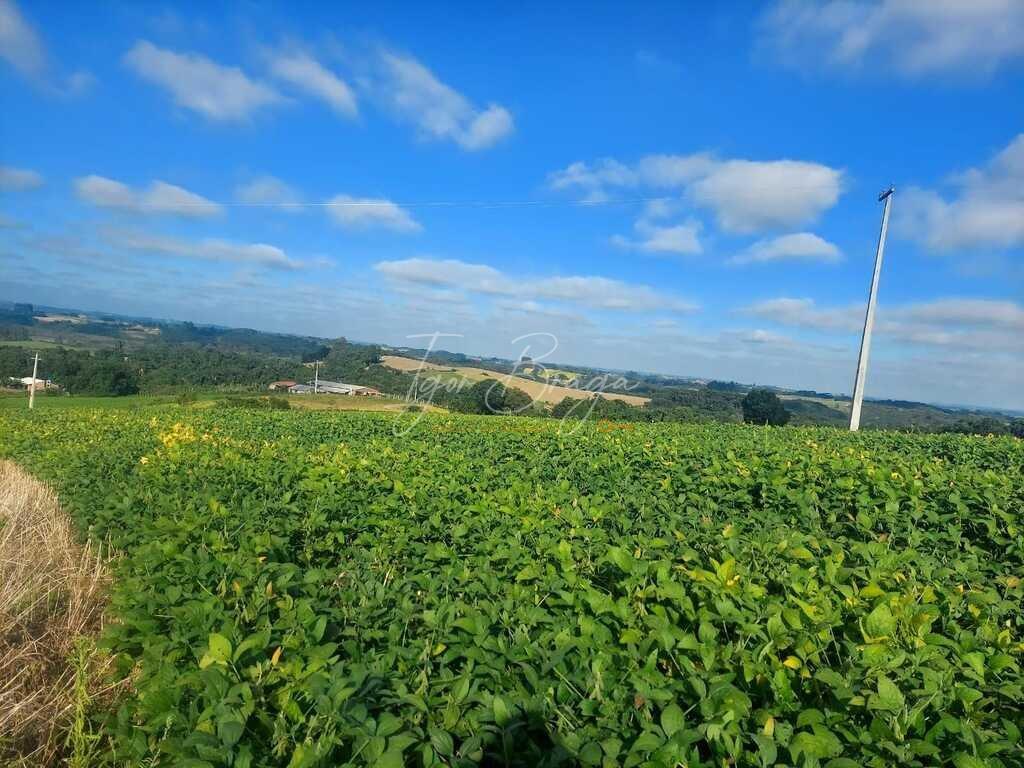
(990, 325)
(916, 37)
(370, 213)
(209, 249)
(745, 195)
(306, 73)
(590, 291)
(652, 171)
(19, 179)
(593, 181)
(975, 312)
(20, 46)
(986, 211)
(197, 83)
(679, 239)
(749, 196)
(440, 112)
(761, 336)
(159, 198)
(674, 170)
(662, 208)
(803, 313)
(531, 308)
(23, 49)
(604, 293)
(478, 278)
(269, 191)
(799, 246)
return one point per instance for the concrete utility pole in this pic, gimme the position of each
(316, 376)
(869, 317)
(32, 384)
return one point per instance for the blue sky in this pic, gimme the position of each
(683, 188)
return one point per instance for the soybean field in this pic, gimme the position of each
(370, 589)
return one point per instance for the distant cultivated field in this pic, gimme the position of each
(35, 344)
(349, 403)
(545, 393)
(843, 406)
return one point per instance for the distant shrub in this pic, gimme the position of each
(186, 398)
(763, 407)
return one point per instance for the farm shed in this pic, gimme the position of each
(341, 388)
(25, 382)
(324, 387)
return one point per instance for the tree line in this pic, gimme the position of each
(230, 362)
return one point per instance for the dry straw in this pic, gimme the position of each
(52, 596)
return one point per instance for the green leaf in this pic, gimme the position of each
(767, 752)
(831, 678)
(319, 627)
(441, 741)
(219, 652)
(304, 755)
(621, 559)
(646, 742)
(388, 724)
(880, 622)
(976, 661)
(502, 715)
(230, 729)
(672, 719)
(818, 744)
(461, 689)
(963, 760)
(590, 754)
(257, 641)
(888, 699)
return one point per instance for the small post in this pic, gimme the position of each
(32, 384)
(316, 376)
(869, 316)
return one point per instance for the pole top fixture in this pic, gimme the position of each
(886, 193)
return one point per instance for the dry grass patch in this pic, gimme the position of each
(52, 596)
(537, 390)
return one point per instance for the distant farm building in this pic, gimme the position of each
(281, 385)
(25, 382)
(331, 388)
(341, 388)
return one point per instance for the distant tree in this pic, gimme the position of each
(317, 353)
(13, 333)
(702, 404)
(489, 397)
(725, 386)
(1017, 428)
(978, 425)
(763, 407)
(601, 408)
(515, 400)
